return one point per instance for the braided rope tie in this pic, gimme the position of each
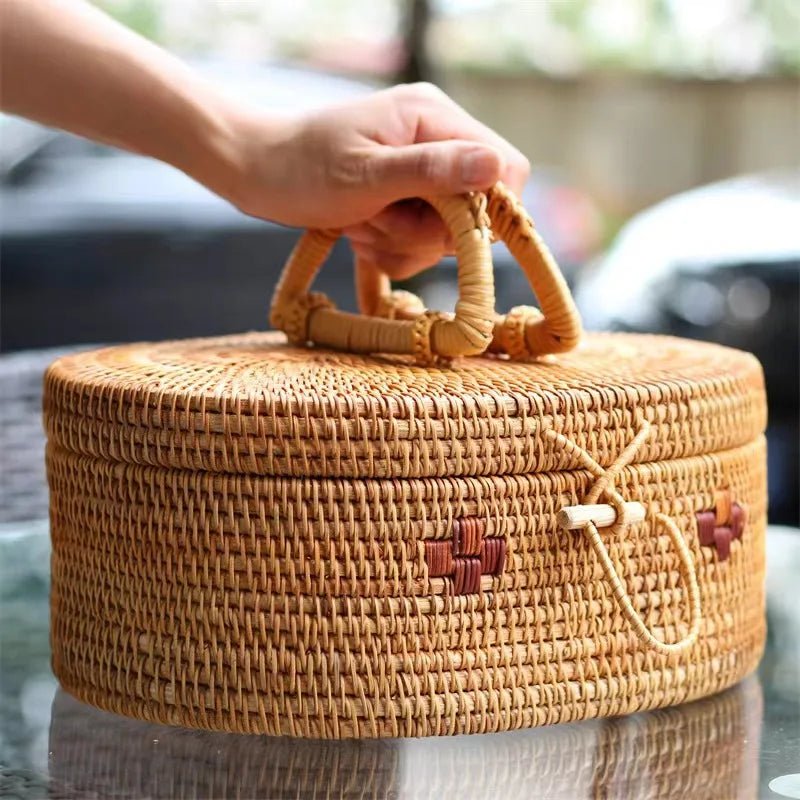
(294, 321)
(478, 205)
(421, 333)
(506, 212)
(513, 330)
(604, 486)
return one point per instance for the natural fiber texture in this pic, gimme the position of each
(469, 332)
(251, 405)
(388, 326)
(241, 531)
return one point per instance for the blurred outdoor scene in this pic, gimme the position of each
(665, 142)
(664, 137)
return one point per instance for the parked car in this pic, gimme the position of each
(99, 245)
(720, 263)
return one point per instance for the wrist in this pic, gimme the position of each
(241, 157)
(213, 155)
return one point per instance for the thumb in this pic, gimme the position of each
(435, 168)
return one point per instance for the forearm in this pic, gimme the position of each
(66, 64)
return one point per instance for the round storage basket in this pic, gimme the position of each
(260, 537)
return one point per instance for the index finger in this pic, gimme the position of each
(439, 117)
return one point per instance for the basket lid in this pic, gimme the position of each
(252, 405)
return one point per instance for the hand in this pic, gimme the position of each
(354, 167)
(357, 167)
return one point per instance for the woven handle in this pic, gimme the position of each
(397, 322)
(523, 332)
(310, 317)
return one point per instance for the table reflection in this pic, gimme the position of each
(705, 749)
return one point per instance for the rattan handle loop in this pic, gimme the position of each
(688, 574)
(468, 332)
(523, 332)
(526, 331)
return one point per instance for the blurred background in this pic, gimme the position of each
(665, 139)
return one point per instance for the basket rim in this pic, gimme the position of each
(482, 416)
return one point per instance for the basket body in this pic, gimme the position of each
(256, 538)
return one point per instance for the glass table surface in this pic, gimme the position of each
(743, 743)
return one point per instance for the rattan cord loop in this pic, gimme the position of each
(467, 332)
(524, 332)
(509, 331)
(604, 485)
(688, 574)
(424, 354)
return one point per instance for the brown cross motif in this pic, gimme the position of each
(721, 525)
(467, 556)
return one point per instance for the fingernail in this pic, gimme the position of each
(479, 168)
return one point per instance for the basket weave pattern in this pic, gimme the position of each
(262, 564)
(252, 406)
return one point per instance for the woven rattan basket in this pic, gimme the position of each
(261, 537)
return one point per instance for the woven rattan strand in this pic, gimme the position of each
(261, 538)
(303, 606)
(252, 406)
